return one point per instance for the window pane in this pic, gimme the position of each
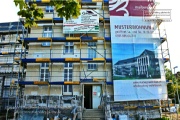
(70, 64)
(91, 53)
(89, 65)
(44, 34)
(49, 8)
(46, 76)
(47, 79)
(42, 75)
(70, 79)
(42, 64)
(65, 88)
(46, 44)
(70, 76)
(92, 44)
(66, 65)
(71, 49)
(47, 70)
(65, 76)
(49, 34)
(65, 71)
(70, 88)
(66, 43)
(47, 64)
(66, 49)
(45, 28)
(92, 66)
(70, 70)
(49, 28)
(71, 43)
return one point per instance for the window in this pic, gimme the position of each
(68, 75)
(92, 54)
(69, 48)
(91, 50)
(47, 32)
(1, 48)
(3, 37)
(49, 9)
(44, 72)
(92, 66)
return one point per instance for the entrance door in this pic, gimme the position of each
(88, 96)
(96, 91)
(92, 96)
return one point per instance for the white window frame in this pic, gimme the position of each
(49, 9)
(92, 66)
(44, 72)
(47, 31)
(92, 54)
(69, 48)
(68, 76)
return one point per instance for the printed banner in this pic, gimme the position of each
(137, 65)
(87, 22)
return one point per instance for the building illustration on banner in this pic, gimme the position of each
(144, 65)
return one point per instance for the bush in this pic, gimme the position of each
(163, 118)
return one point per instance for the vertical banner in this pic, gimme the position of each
(137, 67)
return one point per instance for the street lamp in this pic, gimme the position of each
(176, 82)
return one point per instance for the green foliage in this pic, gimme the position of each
(66, 8)
(163, 118)
(32, 13)
(169, 74)
(172, 88)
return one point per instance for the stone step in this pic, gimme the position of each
(93, 119)
(93, 114)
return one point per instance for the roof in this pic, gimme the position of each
(148, 52)
(129, 60)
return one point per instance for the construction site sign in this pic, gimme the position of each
(87, 22)
(138, 72)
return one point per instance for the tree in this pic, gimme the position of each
(171, 87)
(32, 13)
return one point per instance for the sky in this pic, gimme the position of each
(8, 13)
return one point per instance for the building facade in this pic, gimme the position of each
(69, 71)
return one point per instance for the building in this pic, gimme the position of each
(10, 71)
(69, 73)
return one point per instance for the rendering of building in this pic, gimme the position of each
(70, 70)
(146, 65)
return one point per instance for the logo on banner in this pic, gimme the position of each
(130, 7)
(89, 12)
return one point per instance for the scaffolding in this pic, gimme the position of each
(9, 69)
(35, 92)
